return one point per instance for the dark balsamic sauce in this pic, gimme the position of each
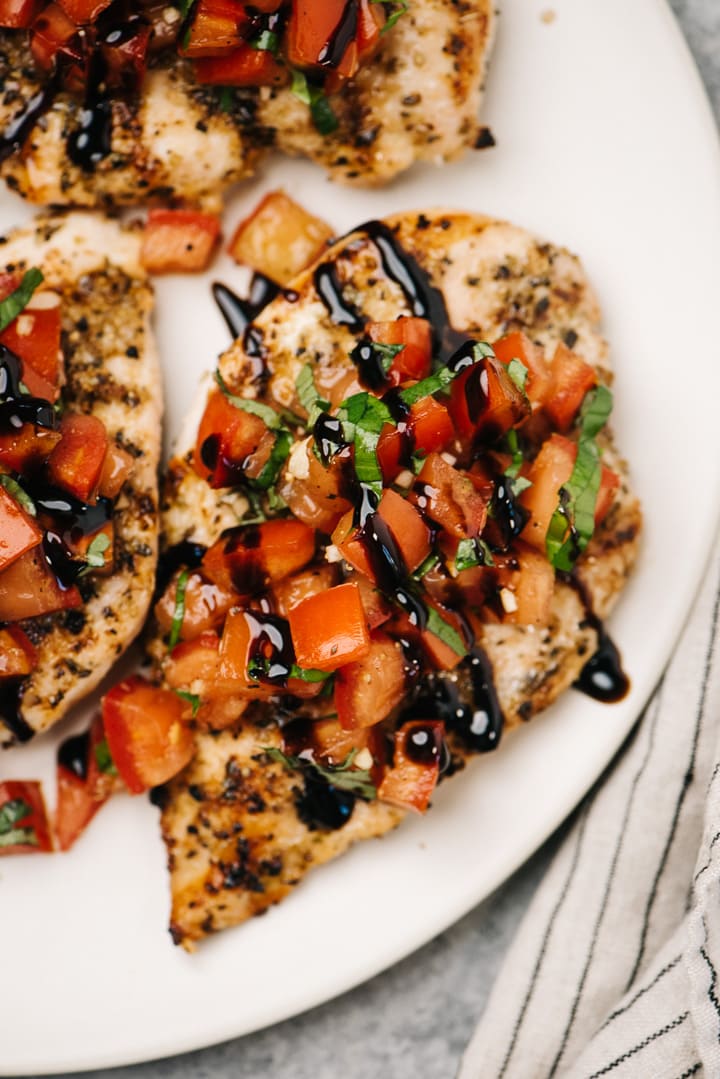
(368, 359)
(24, 121)
(329, 437)
(479, 722)
(508, 516)
(402, 415)
(183, 555)
(322, 805)
(329, 289)
(271, 651)
(423, 744)
(92, 141)
(17, 407)
(602, 677)
(10, 699)
(73, 754)
(334, 49)
(239, 313)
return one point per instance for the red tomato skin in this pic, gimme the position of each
(18, 656)
(247, 559)
(147, 732)
(244, 66)
(76, 463)
(30, 792)
(415, 335)
(18, 14)
(409, 783)
(235, 435)
(330, 629)
(18, 531)
(367, 691)
(216, 28)
(178, 241)
(571, 378)
(35, 337)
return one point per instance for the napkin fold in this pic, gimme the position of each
(615, 969)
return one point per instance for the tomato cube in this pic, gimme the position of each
(26, 447)
(449, 497)
(147, 732)
(330, 629)
(414, 359)
(368, 690)
(226, 437)
(86, 778)
(293, 590)
(571, 379)
(24, 826)
(29, 588)
(17, 654)
(83, 11)
(216, 28)
(76, 463)
(485, 402)
(53, 33)
(34, 336)
(279, 239)
(432, 430)
(116, 470)
(247, 558)
(244, 66)
(18, 14)
(204, 607)
(411, 780)
(18, 531)
(315, 498)
(178, 241)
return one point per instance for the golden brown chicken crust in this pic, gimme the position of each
(112, 372)
(417, 100)
(233, 851)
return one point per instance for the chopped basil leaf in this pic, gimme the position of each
(357, 781)
(447, 634)
(267, 414)
(184, 7)
(278, 457)
(473, 553)
(398, 9)
(428, 386)
(276, 503)
(578, 497)
(21, 497)
(518, 483)
(11, 813)
(309, 398)
(226, 97)
(266, 41)
(95, 554)
(103, 758)
(430, 562)
(13, 304)
(418, 460)
(518, 373)
(321, 111)
(192, 699)
(387, 353)
(308, 674)
(179, 612)
(364, 417)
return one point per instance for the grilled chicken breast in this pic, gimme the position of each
(111, 371)
(418, 99)
(237, 834)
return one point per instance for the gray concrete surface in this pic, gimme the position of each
(413, 1021)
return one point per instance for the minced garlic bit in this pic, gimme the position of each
(298, 465)
(364, 759)
(508, 600)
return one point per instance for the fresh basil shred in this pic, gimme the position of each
(363, 417)
(179, 611)
(323, 117)
(192, 699)
(573, 522)
(397, 10)
(473, 552)
(21, 497)
(343, 776)
(103, 758)
(11, 814)
(18, 300)
(518, 374)
(447, 633)
(95, 554)
(266, 41)
(308, 396)
(283, 438)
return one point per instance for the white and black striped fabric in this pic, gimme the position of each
(616, 968)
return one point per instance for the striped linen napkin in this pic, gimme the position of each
(614, 971)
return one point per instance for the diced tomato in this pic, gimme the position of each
(17, 654)
(416, 765)
(194, 660)
(408, 529)
(84, 787)
(216, 28)
(368, 690)
(377, 610)
(227, 436)
(83, 11)
(254, 655)
(518, 346)
(552, 468)
(178, 241)
(116, 470)
(25, 828)
(310, 27)
(415, 335)
(330, 629)
(316, 499)
(293, 590)
(125, 53)
(571, 379)
(450, 499)
(54, 33)
(34, 336)
(18, 14)
(527, 587)
(147, 732)
(76, 463)
(439, 654)
(244, 66)
(204, 607)
(27, 447)
(29, 588)
(328, 740)
(485, 402)
(247, 558)
(18, 531)
(432, 430)
(279, 238)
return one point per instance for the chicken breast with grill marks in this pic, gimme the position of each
(233, 821)
(111, 371)
(417, 100)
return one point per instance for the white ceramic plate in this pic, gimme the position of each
(606, 144)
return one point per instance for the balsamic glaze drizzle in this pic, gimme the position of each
(24, 121)
(239, 313)
(329, 289)
(333, 50)
(73, 754)
(11, 690)
(602, 677)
